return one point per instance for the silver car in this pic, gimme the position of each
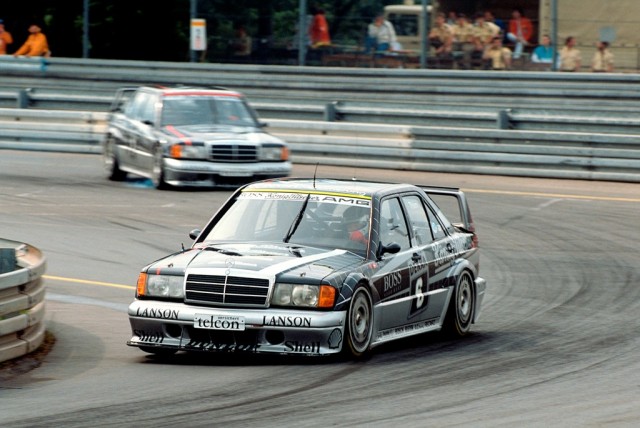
(190, 137)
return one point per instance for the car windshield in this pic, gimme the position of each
(312, 219)
(205, 110)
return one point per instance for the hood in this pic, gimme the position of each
(283, 261)
(212, 132)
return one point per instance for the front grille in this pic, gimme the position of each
(234, 153)
(220, 290)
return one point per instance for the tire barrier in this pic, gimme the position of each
(22, 306)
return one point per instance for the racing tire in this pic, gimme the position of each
(111, 163)
(360, 323)
(161, 352)
(157, 173)
(459, 317)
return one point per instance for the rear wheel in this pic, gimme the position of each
(461, 307)
(111, 163)
(360, 322)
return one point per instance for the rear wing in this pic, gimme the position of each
(453, 204)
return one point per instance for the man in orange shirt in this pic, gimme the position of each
(5, 39)
(319, 29)
(520, 31)
(36, 44)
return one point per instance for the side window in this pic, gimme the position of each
(418, 220)
(132, 109)
(436, 227)
(147, 108)
(393, 227)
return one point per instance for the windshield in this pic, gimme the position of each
(311, 219)
(205, 110)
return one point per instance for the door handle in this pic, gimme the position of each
(416, 257)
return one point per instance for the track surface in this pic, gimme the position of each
(557, 344)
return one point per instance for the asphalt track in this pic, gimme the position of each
(557, 344)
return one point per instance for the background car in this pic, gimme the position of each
(314, 267)
(190, 137)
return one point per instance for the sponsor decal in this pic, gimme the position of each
(413, 328)
(306, 347)
(286, 321)
(315, 197)
(160, 313)
(206, 345)
(335, 339)
(391, 284)
(218, 322)
(149, 336)
(419, 278)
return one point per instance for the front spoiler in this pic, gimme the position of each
(194, 173)
(168, 325)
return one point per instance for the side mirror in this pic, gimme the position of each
(392, 248)
(194, 234)
(263, 124)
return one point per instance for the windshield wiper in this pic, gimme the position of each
(222, 250)
(297, 220)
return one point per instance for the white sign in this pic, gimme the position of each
(218, 322)
(198, 34)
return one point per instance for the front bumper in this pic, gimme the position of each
(193, 172)
(176, 326)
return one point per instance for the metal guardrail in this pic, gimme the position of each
(22, 306)
(536, 153)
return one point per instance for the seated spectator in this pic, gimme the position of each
(570, 57)
(36, 44)
(520, 31)
(241, 43)
(463, 40)
(483, 34)
(489, 17)
(5, 39)
(381, 35)
(544, 51)
(602, 61)
(498, 56)
(441, 36)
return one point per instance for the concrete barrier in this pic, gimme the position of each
(22, 306)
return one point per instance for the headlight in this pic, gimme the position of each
(166, 286)
(303, 295)
(188, 151)
(274, 153)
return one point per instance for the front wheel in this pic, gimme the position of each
(111, 163)
(459, 316)
(157, 174)
(360, 322)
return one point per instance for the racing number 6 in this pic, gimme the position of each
(419, 293)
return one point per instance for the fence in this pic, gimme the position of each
(22, 304)
(534, 153)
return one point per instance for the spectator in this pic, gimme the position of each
(463, 40)
(489, 17)
(543, 53)
(520, 31)
(5, 39)
(498, 56)
(452, 17)
(381, 36)
(441, 36)
(570, 57)
(241, 43)
(602, 61)
(484, 34)
(319, 29)
(36, 44)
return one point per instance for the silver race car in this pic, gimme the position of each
(315, 267)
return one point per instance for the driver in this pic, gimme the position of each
(356, 221)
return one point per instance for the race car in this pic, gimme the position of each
(308, 266)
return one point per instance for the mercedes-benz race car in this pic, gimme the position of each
(315, 267)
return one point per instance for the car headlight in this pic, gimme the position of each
(274, 153)
(166, 286)
(303, 295)
(188, 151)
